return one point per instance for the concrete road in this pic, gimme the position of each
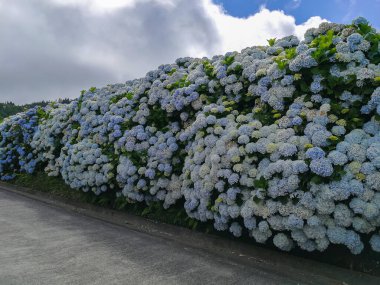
(45, 244)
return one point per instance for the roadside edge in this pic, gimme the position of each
(296, 268)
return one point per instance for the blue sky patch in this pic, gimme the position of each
(339, 11)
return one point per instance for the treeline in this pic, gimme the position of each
(10, 108)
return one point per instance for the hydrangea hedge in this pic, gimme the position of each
(282, 141)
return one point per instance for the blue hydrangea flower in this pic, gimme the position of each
(360, 21)
(315, 153)
(375, 242)
(322, 167)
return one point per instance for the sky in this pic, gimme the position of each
(339, 11)
(52, 49)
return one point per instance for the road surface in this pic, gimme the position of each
(45, 244)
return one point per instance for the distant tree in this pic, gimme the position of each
(9, 108)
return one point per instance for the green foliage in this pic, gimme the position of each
(80, 100)
(183, 82)
(75, 125)
(264, 115)
(41, 114)
(324, 46)
(157, 117)
(44, 183)
(374, 51)
(261, 183)
(237, 70)
(364, 29)
(271, 42)
(92, 89)
(171, 72)
(283, 60)
(228, 60)
(209, 69)
(282, 63)
(56, 187)
(9, 108)
(290, 53)
(117, 98)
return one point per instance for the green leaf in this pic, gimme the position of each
(172, 71)
(117, 98)
(271, 42)
(209, 69)
(281, 63)
(364, 29)
(290, 53)
(261, 183)
(316, 179)
(324, 46)
(146, 211)
(228, 60)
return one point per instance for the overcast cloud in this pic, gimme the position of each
(55, 48)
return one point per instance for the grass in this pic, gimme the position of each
(56, 187)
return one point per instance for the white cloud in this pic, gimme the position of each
(238, 33)
(312, 22)
(294, 4)
(55, 48)
(105, 6)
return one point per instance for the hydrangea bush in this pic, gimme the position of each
(281, 142)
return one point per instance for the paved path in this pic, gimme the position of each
(44, 244)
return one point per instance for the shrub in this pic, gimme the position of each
(282, 141)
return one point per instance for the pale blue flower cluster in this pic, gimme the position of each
(261, 143)
(16, 136)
